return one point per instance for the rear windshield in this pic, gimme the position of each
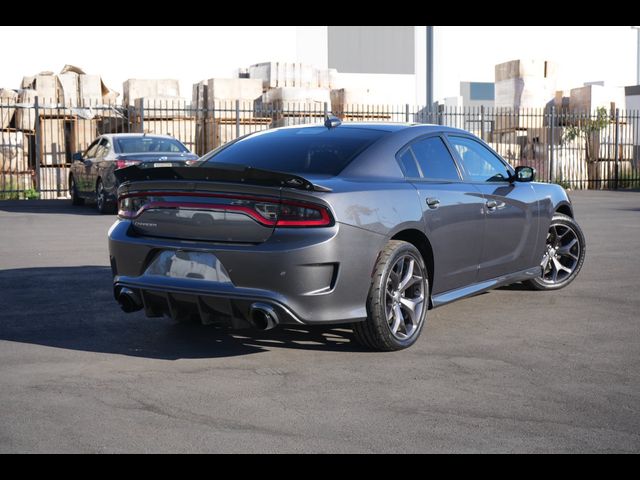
(316, 150)
(149, 144)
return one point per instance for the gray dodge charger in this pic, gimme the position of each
(364, 224)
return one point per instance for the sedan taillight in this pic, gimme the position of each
(127, 163)
(293, 214)
(266, 211)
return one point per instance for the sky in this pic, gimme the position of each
(195, 53)
(584, 54)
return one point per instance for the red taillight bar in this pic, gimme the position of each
(325, 221)
(127, 163)
(206, 206)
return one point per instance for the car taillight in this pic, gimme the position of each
(127, 163)
(266, 211)
(131, 206)
(293, 214)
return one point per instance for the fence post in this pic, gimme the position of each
(617, 148)
(482, 122)
(238, 118)
(326, 111)
(129, 119)
(406, 113)
(552, 156)
(141, 101)
(38, 141)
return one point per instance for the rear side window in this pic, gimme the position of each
(435, 160)
(408, 164)
(316, 150)
(429, 158)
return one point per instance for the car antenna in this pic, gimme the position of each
(332, 121)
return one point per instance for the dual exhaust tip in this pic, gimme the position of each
(262, 316)
(129, 300)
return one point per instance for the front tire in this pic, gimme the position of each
(73, 191)
(398, 300)
(563, 257)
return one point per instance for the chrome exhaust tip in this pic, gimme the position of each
(263, 316)
(129, 300)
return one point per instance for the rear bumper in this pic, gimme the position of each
(308, 276)
(212, 303)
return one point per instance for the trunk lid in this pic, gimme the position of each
(203, 204)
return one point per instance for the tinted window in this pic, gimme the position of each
(299, 150)
(479, 163)
(148, 144)
(408, 164)
(434, 159)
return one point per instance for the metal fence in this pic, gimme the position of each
(598, 150)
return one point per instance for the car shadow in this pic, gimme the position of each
(47, 206)
(73, 308)
(515, 287)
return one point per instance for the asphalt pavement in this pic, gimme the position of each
(507, 371)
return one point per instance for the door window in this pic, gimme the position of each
(478, 162)
(103, 149)
(91, 150)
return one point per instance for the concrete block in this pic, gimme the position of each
(14, 156)
(589, 98)
(525, 68)
(135, 88)
(69, 85)
(90, 90)
(8, 99)
(524, 92)
(234, 88)
(25, 118)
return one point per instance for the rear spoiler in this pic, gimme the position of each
(231, 174)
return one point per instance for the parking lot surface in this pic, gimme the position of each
(507, 371)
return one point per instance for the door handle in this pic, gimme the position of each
(491, 205)
(433, 202)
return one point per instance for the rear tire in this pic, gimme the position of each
(73, 191)
(102, 204)
(563, 256)
(398, 300)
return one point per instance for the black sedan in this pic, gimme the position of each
(92, 177)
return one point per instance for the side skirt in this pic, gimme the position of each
(476, 288)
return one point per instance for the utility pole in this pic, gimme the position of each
(637, 29)
(430, 68)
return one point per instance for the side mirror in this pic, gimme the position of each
(524, 174)
(77, 157)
